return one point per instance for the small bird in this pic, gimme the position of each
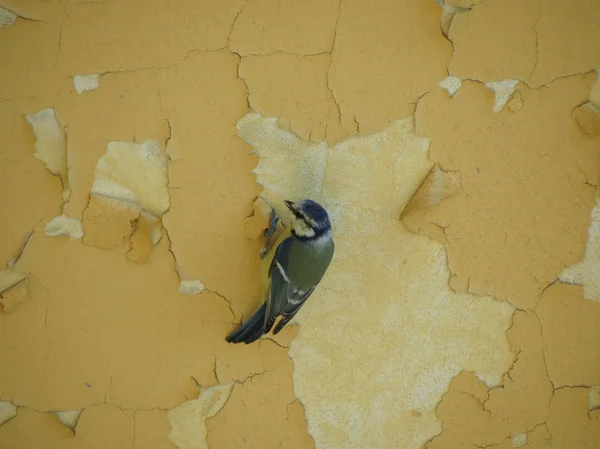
(298, 265)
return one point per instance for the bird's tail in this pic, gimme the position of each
(251, 330)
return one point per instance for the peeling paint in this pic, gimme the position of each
(501, 202)
(7, 411)
(50, 145)
(587, 272)
(519, 440)
(588, 118)
(69, 418)
(594, 398)
(451, 84)
(188, 428)
(84, 83)
(134, 173)
(63, 225)
(503, 90)
(7, 17)
(368, 212)
(595, 93)
(9, 278)
(193, 287)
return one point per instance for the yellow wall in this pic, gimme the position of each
(456, 147)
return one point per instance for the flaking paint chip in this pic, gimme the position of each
(595, 94)
(503, 90)
(8, 411)
(587, 117)
(519, 440)
(193, 287)
(131, 191)
(594, 398)
(134, 173)
(7, 17)
(451, 84)
(50, 145)
(66, 226)
(9, 278)
(587, 272)
(188, 420)
(84, 83)
(68, 418)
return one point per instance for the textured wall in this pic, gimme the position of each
(456, 146)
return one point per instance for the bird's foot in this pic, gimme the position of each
(269, 233)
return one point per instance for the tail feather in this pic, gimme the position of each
(251, 330)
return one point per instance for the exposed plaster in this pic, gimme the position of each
(84, 83)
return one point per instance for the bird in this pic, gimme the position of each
(300, 260)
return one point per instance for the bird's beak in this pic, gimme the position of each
(290, 204)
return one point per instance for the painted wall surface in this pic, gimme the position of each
(455, 145)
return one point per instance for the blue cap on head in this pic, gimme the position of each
(312, 213)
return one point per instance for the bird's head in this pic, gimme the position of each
(310, 221)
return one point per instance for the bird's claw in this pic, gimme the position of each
(270, 232)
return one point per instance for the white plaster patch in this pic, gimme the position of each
(50, 145)
(134, 173)
(8, 411)
(451, 84)
(84, 83)
(587, 272)
(188, 420)
(502, 92)
(69, 418)
(7, 17)
(410, 333)
(277, 148)
(194, 287)
(494, 380)
(63, 225)
(594, 398)
(519, 440)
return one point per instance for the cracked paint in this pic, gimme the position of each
(571, 355)
(265, 27)
(101, 37)
(360, 60)
(486, 49)
(534, 154)
(294, 89)
(128, 198)
(252, 101)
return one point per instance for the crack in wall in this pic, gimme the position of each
(329, 86)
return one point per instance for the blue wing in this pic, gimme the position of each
(284, 298)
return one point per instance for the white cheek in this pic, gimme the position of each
(302, 229)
